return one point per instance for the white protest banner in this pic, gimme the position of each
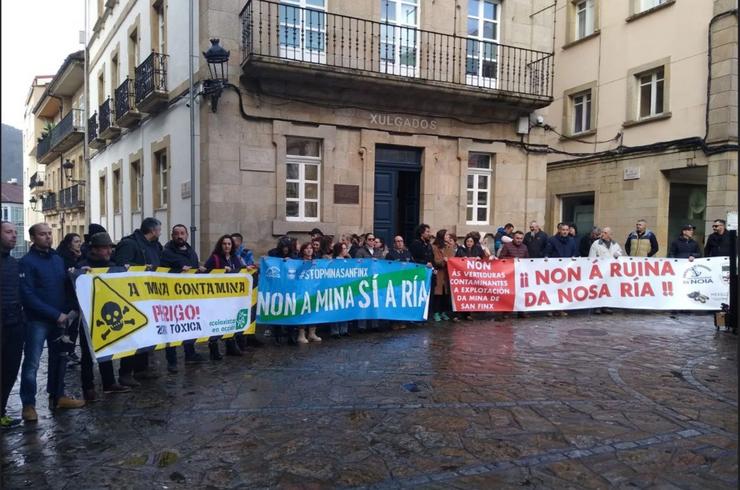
(130, 311)
(564, 284)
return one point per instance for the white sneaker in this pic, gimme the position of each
(302, 338)
(314, 338)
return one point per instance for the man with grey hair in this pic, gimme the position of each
(605, 247)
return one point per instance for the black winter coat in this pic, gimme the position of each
(176, 258)
(683, 248)
(718, 245)
(135, 249)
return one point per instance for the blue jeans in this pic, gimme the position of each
(38, 332)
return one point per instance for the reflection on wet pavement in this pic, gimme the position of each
(636, 400)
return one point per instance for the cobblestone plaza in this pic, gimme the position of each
(633, 400)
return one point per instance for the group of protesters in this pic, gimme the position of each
(39, 305)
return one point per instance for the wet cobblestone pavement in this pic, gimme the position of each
(629, 400)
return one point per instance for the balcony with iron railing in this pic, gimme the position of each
(93, 140)
(291, 44)
(36, 182)
(49, 203)
(44, 154)
(151, 84)
(71, 197)
(68, 132)
(127, 115)
(107, 128)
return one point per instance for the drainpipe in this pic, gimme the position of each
(193, 226)
(86, 118)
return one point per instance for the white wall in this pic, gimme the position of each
(173, 122)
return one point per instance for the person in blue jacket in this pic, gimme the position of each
(48, 303)
(561, 245)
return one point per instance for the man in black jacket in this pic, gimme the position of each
(684, 247)
(99, 251)
(718, 243)
(142, 247)
(421, 247)
(535, 240)
(399, 251)
(180, 256)
(12, 318)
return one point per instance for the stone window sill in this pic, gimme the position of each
(645, 120)
(639, 15)
(283, 227)
(582, 40)
(582, 134)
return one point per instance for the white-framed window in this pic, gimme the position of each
(303, 177)
(6, 213)
(302, 31)
(482, 49)
(478, 188)
(117, 191)
(584, 18)
(581, 112)
(162, 171)
(650, 93)
(648, 4)
(137, 187)
(399, 37)
(102, 195)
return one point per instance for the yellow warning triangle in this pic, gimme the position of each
(113, 316)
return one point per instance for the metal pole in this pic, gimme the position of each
(86, 116)
(193, 226)
(732, 317)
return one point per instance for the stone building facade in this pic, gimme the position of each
(649, 121)
(374, 116)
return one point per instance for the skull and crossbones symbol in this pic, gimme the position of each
(113, 318)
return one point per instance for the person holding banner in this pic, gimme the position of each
(181, 257)
(368, 251)
(561, 245)
(685, 247)
(535, 240)
(641, 242)
(442, 250)
(141, 248)
(306, 253)
(398, 252)
(472, 247)
(223, 257)
(340, 329)
(48, 303)
(515, 249)
(99, 251)
(605, 247)
(718, 243)
(284, 250)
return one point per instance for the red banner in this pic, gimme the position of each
(482, 285)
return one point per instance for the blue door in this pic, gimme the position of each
(397, 184)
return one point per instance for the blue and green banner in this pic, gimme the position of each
(300, 292)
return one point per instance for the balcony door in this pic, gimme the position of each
(399, 37)
(303, 30)
(482, 50)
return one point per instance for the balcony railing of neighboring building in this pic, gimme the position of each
(92, 127)
(36, 180)
(106, 126)
(126, 113)
(69, 131)
(43, 148)
(93, 138)
(71, 197)
(49, 203)
(283, 33)
(151, 83)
